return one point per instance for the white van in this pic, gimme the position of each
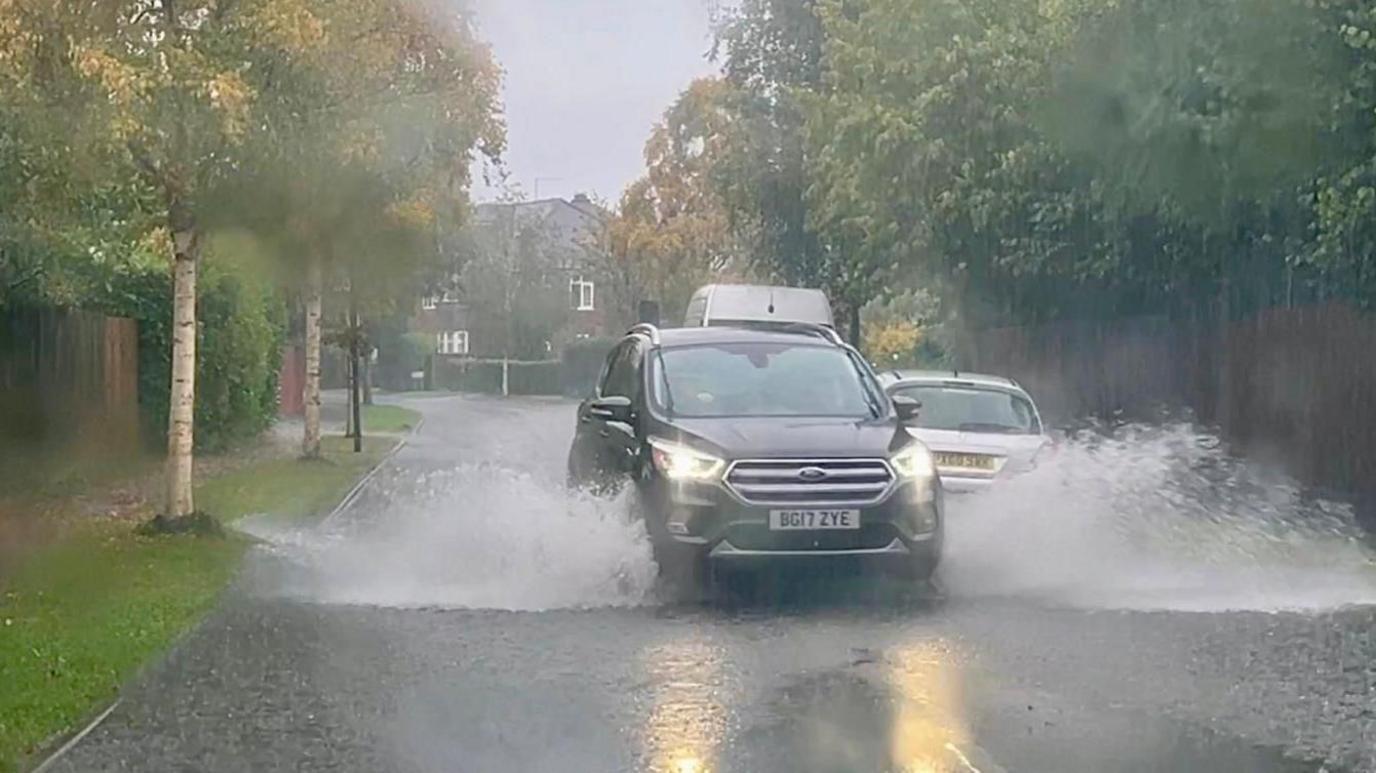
(721, 304)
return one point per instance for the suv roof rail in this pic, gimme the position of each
(646, 329)
(815, 329)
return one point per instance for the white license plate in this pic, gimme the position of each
(807, 520)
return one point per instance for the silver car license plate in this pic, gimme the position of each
(808, 520)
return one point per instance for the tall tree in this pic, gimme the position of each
(367, 158)
(771, 55)
(187, 99)
(922, 142)
(672, 232)
(167, 93)
(512, 272)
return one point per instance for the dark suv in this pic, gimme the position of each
(759, 442)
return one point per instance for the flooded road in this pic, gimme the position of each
(1139, 604)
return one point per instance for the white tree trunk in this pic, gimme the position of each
(181, 413)
(310, 446)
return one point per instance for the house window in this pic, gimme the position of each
(452, 342)
(581, 294)
(428, 302)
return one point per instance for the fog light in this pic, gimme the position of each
(678, 521)
(923, 520)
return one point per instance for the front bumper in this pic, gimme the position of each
(905, 524)
(897, 549)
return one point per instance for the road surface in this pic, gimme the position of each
(468, 615)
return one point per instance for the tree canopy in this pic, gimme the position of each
(302, 135)
(1027, 160)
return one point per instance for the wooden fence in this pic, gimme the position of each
(1295, 386)
(68, 385)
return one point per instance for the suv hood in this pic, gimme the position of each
(777, 437)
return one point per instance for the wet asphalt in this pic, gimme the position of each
(793, 673)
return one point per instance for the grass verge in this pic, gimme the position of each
(82, 614)
(291, 487)
(388, 418)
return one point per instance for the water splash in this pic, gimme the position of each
(1140, 518)
(473, 536)
(1156, 518)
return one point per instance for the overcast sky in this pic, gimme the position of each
(584, 82)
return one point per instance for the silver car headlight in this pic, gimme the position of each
(914, 461)
(679, 462)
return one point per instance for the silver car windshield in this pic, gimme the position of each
(760, 379)
(971, 409)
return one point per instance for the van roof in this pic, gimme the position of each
(943, 376)
(764, 303)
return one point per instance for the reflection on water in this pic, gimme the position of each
(686, 721)
(929, 732)
(898, 710)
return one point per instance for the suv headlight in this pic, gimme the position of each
(914, 461)
(679, 462)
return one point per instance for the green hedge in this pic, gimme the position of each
(460, 375)
(581, 363)
(534, 378)
(238, 350)
(399, 355)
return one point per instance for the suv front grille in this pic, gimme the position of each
(805, 481)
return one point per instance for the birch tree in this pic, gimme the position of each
(369, 155)
(161, 89)
(185, 98)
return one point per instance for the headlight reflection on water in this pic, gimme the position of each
(930, 731)
(687, 721)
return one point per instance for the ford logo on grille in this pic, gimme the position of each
(812, 473)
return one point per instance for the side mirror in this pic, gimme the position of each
(612, 408)
(907, 408)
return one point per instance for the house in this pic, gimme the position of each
(531, 261)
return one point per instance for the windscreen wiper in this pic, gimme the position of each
(875, 409)
(866, 386)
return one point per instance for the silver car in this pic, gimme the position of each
(979, 428)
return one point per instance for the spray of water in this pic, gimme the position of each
(1140, 518)
(474, 536)
(1156, 518)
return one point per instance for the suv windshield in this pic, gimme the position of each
(971, 409)
(762, 379)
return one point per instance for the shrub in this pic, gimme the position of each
(238, 349)
(401, 356)
(893, 344)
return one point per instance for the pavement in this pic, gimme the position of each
(467, 614)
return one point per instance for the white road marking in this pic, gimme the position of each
(74, 740)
